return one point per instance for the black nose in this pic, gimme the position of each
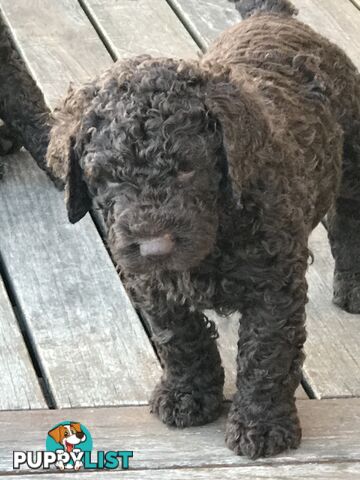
(79, 435)
(157, 246)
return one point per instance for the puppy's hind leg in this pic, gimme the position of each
(191, 389)
(344, 227)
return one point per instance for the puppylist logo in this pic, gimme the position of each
(69, 447)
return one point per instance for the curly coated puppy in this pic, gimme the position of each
(25, 118)
(211, 175)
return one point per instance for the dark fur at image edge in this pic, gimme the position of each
(25, 118)
(246, 8)
(237, 156)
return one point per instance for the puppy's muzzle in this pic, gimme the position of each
(158, 246)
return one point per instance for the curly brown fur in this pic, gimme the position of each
(211, 176)
(27, 120)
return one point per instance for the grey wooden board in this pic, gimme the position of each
(330, 434)
(91, 345)
(57, 42)
(205, 19)
(332, 367)
(336, 19)
(318, 471)
(19, 386)
(131, 28)
(68, 289)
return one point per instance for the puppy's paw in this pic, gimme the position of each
(180, 408)
(262, 439)
(347, 291)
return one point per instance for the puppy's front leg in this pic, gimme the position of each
(263, 419)
(191, 389)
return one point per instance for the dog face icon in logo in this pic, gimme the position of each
(74, 439)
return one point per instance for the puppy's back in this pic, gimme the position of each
(282, 57)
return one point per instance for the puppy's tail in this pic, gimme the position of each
(246, 8)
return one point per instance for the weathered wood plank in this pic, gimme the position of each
(319, 471)
(330, 433)
(57, 42)
(332, 367)
(205, 19)
(19, 386)
(90, 342)
(131, 28)
(91, 345)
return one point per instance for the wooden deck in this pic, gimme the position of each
(69, 336)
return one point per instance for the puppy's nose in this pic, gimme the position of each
(157, 246)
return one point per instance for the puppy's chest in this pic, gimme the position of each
(218, 284)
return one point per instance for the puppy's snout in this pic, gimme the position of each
(157, 246)
(80, 435)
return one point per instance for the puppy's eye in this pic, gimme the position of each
(66, 434)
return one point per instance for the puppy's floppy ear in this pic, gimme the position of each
(243, 124)
(64, 151)
(77, 198)
(73, 120)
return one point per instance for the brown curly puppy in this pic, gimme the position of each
(211, 176)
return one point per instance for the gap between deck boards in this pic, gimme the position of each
(330, 434)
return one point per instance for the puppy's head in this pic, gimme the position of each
(152, 141)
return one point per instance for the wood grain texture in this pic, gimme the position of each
(330, 434)
(91, 345)
(19, 386)
(57, 42)
(318, 471)
(332, 367)
(144, 26)
(205, 19)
